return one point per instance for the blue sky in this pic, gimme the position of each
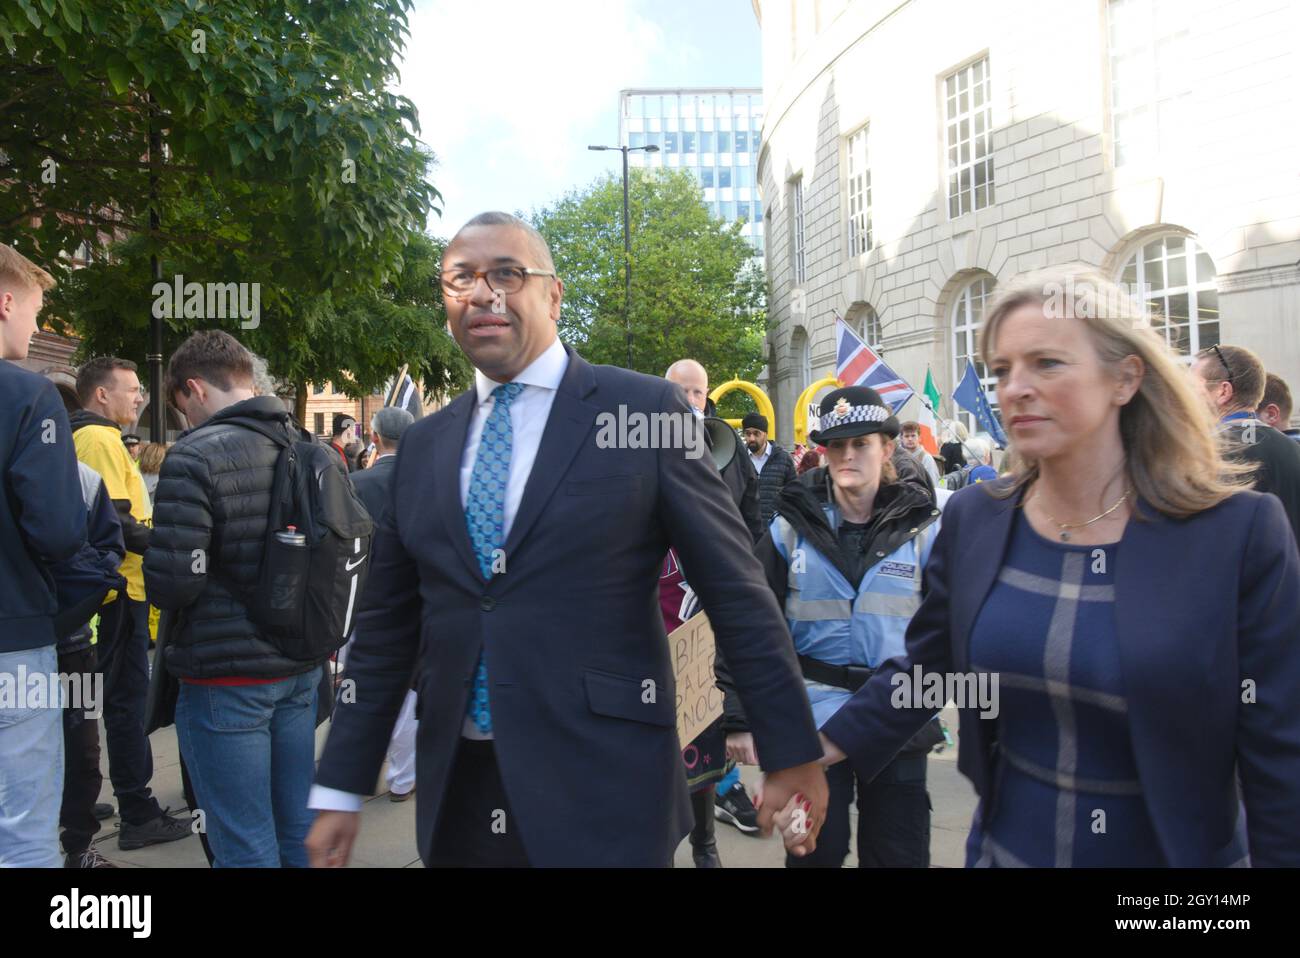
(511, 92)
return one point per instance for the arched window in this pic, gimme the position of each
(964, 320)
(864, 321)
(1176, 278)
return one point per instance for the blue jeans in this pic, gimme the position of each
(251, 755)
(31, 765)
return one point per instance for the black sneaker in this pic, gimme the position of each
(735, 808)
(104, 811)
(90, 858)
(162, 829)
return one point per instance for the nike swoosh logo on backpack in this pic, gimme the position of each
(352, 565)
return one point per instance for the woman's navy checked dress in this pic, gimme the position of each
(1066, 788)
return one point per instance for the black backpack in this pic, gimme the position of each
(314, 564)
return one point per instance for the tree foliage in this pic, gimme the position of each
(286, 162)
(695, 291)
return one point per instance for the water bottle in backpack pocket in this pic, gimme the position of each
(316, 556)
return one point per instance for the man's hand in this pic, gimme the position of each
(777, 793)
(740, 748)
(329, 843)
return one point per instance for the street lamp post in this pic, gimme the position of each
(627, 242)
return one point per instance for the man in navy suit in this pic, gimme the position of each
(515, 570)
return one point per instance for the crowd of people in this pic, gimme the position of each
(1127, 570)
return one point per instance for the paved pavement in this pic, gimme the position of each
(387, 837)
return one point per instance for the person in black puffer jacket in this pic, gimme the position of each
(210, 520)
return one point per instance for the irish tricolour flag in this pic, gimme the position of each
(929, 399)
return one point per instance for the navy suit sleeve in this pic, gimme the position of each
(716, 548)
(1268, 728)
(176, 562)
(381, 660)
(774, 568)
(43, 477)
(869, 729)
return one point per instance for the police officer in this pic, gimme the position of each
(844, 555)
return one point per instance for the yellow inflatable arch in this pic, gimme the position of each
(760, 400)
(801, 407)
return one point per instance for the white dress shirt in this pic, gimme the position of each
(761, 461)
(528, 415)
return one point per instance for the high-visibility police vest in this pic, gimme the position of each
(832, 622)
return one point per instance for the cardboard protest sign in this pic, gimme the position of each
(699, 701)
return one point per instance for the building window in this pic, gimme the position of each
(798, 262)
(724, 176)
(636, 140)
(706, 177)
(724, 141)
(1150, 89)
(688, 142)
(969, 122)
(1177, 279)
(859, 192)
(967, 313)
(866, 323)
(744, 176)
(317, 390)
(320, 424)
(742, 141)
(706, 142)
(670, 142)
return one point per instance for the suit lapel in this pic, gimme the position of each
(448, 447)
(570, 420)
(977, 562)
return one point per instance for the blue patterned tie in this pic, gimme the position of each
(485, 515)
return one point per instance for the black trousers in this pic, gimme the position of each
(893, 818)
(124, 659)
(475, 826)
(82, 778)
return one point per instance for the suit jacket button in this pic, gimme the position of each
(487, 603)
(880, 554)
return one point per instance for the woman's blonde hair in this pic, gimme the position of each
(151, 456)
(1174, 458)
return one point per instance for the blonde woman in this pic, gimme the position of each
(151, 457)
(1139, 609)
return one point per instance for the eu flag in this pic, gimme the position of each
(969, 394)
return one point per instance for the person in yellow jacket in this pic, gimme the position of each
(109, 391)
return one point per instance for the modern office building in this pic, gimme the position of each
(917, 154)
(714, 132)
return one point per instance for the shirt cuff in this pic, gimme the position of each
(332, 800)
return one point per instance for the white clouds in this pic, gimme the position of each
(510, 93)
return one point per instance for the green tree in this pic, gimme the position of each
(695, 291)
(367, 334)
(284, 161)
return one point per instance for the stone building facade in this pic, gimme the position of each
(916, 154)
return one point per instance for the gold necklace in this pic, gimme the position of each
(1066, 526)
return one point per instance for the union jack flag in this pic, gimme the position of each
(857, 365)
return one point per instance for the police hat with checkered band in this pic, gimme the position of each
(853, 411)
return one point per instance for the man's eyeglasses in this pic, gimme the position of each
(500, 279)
(1226, 367)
